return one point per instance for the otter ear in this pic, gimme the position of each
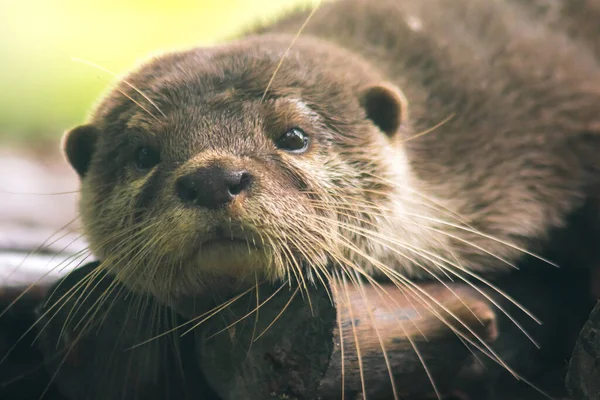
(386, 106)
(78, 145)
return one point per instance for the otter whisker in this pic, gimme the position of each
(427, 198)
(244, 317)
(297, 271)
(429, 130)
(388, 363)
(107, 294)
(472, 230)
(9, 351)
(85, 293)
(472, 244)
(64, 249)
(411, 341)
(374, 225)
(29, 372)
(31, 253)
(303, 284)
(429, 202)
(32, 285)
(360, 231)
(47, 242)
(356, 342)
(415, 289)
(203, 317)
(177, 347)
(377, 209)
(365, 234)
(138, 258)
(55, 374)
(64, 298)
(131, 99)
(113, 263)
(495, 303)
(428, 306)
(344, 263)
(411, 248)
(91, 64)
(491, 238)
(155, 320)
(82, 286)
(73, 345)
(306, 252)
(39, 194)
(488, 283)
(489, 298)
(317, 266)
(132, 266)
(83, 296)
(256, 316)
(288, 50)
(359, 286)
(98, 270)
(336, 289)
(279, 260)
(279, 314)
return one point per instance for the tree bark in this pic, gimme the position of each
(297, 353)
(583, 378)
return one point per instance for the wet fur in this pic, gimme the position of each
(514, 159)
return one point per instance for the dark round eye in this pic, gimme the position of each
(145, 158)
(294, 141)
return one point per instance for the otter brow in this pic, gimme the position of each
(293, 109)
(137, 135)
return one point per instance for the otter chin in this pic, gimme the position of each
(368, 147)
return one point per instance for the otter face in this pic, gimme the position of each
(192, 172)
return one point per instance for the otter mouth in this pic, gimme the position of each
(228, 241)
(226, 237)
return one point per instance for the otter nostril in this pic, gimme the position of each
(241, 182)
(186, 190)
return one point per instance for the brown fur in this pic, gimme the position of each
(514, 160)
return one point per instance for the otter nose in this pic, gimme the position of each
(212, 187)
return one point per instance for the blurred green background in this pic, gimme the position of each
(43, 92)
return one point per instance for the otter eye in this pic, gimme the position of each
(294, 141)
(145, 158)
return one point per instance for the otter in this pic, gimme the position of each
(415, 139)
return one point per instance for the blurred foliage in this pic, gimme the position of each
(44, 92)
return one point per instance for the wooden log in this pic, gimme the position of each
(299, 358)
(299, 355)
(24, 283)
(22, 372)
(583, 378)
(93, 338)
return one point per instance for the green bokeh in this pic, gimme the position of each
(44, 92)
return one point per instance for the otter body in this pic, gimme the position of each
(403, 139)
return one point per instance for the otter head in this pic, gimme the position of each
(204, 166)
